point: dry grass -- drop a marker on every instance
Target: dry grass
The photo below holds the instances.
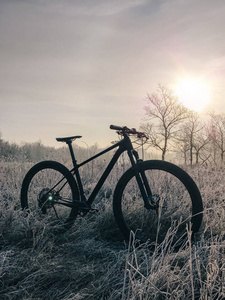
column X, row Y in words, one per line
column 91, row 261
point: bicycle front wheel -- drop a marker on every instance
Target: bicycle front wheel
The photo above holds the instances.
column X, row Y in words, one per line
column 174, row 194
column 49, row 190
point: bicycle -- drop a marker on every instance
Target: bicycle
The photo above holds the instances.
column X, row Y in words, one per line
column 151, row 199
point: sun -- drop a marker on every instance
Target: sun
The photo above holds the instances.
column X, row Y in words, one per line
column 193, row 93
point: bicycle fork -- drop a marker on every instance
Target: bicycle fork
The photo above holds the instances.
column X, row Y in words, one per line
column 142, row 182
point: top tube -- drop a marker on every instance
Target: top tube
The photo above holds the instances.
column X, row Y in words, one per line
column 124, row 143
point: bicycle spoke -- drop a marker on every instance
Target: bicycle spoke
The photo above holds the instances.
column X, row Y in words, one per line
column 55, row 212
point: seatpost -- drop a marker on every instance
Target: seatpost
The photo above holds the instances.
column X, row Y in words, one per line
column 69, row 143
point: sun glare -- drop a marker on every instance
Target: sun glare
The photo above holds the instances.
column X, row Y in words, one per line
column 193, row 93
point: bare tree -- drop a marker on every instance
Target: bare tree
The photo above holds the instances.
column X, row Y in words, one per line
column 201, row 141
column 192, row 138
column 217, row 133
column 213, row 135
column 164, row 114
column 185, row 136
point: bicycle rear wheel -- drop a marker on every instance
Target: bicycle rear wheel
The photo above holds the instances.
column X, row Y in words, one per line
column 175, row 194
column 46, row 190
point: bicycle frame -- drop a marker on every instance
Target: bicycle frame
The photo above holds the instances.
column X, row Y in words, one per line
column 123, row 145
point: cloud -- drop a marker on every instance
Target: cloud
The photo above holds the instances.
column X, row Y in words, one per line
column 101, row 8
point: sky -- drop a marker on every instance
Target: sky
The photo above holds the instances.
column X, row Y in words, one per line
column 73, row 67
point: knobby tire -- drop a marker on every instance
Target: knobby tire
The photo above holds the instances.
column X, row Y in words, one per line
column 177, row 192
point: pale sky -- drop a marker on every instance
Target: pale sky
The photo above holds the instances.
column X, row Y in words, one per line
column 73, row 67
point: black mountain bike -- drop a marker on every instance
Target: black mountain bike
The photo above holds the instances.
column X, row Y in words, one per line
column 152, row 198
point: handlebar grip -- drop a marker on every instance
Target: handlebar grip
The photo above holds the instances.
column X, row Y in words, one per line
column 126, row 130
column 115, row 127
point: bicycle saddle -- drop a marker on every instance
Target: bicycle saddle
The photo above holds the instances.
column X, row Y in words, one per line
column 68, row 139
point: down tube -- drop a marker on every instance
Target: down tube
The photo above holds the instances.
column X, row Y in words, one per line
column 105, row 175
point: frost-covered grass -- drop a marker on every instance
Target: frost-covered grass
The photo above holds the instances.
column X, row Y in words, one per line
column 91, row 260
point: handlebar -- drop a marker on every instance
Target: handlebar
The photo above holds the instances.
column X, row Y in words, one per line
column 126, row 130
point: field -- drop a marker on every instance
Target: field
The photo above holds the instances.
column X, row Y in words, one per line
column 91, row 260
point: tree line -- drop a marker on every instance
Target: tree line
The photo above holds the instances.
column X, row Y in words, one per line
column 35, row 152
column 173, row 131
column 173, row 128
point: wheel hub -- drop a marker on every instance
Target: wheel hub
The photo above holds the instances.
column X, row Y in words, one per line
column 158, row 202
column 46, row 199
